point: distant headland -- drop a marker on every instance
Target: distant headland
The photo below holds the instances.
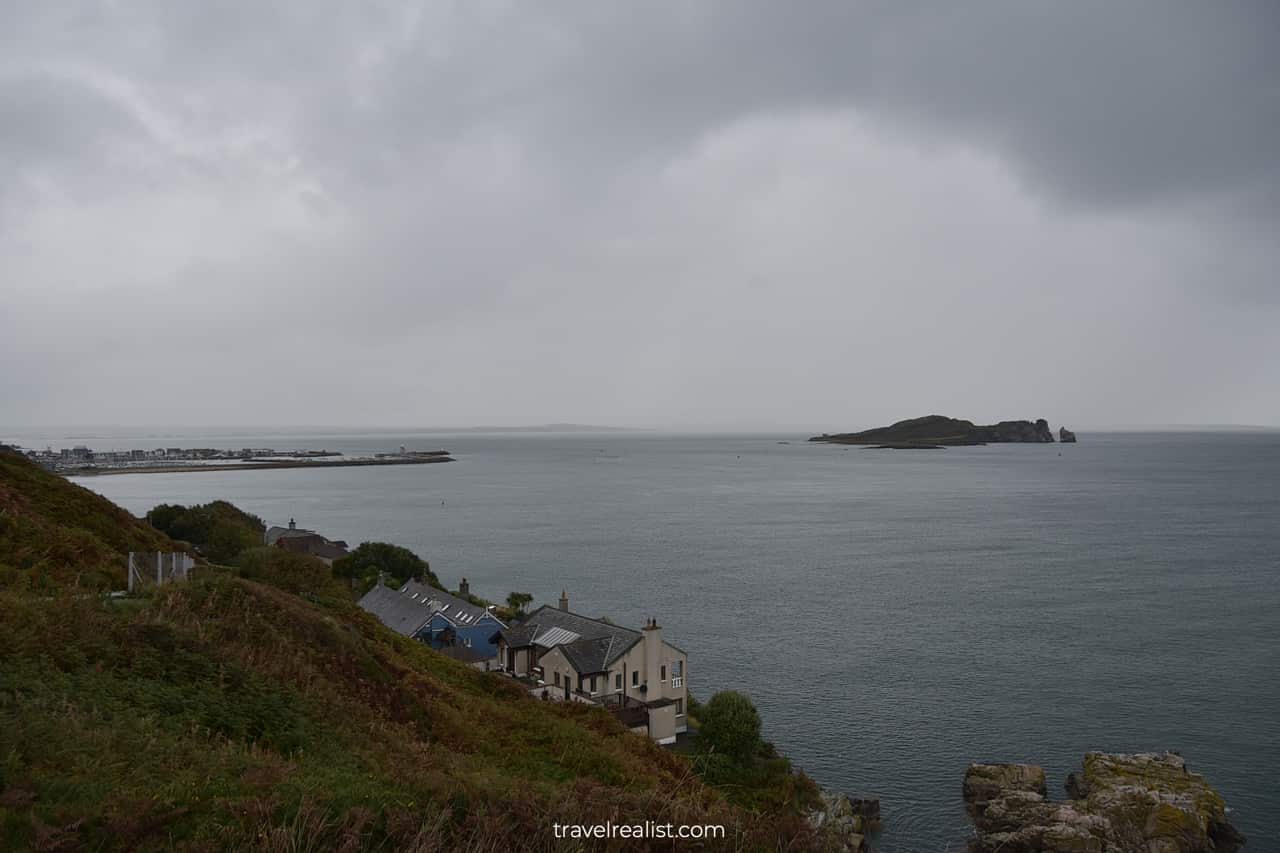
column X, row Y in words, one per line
column 937, row 431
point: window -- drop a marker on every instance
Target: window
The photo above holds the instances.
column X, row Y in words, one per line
column 663, row 669
column 593, row 684
column 677, row 668
column 679, row 707
column 467, row 641
column 635, row 677
column 557, row 678
column 617, row 681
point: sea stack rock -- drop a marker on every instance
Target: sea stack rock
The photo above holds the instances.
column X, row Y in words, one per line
column 1066, row 436
column 1143, row 803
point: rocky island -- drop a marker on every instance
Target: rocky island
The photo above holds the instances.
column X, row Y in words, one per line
column 934, row 431
column 1143, row 803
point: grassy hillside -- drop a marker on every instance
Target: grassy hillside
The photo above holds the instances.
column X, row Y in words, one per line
column 55, row 534
column 228, row 712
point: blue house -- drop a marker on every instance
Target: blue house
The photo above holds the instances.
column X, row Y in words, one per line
column 445, row 622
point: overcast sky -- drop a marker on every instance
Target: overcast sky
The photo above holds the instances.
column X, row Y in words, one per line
column 810, row 216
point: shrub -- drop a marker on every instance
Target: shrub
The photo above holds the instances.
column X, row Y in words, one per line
column 371, row 558
column 731, row 725
column 296, row 573
column 219, row 529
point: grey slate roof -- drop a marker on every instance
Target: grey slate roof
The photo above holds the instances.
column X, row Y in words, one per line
column 397, row 612
column 588, row 656
column 457, row 610
column 330, row 551
column 518, row 636
column 589, row 644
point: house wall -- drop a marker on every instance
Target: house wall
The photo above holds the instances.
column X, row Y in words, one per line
column 521, row 659
column 636, row 661
column 475, row 635
column 655, row 662
column 662, row 723
column 553, row 663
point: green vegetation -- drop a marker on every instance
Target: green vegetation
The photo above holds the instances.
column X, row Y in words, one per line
column 56, row 535
column 518, row 603
column 219, row 530
column 731, row 725
column 731, row 755
column 293, row 572
column 227, row 713
column 398, row 564
column 256, row 707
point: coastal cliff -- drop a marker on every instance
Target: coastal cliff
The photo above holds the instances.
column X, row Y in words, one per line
column 942, row 431
column 1142, row 803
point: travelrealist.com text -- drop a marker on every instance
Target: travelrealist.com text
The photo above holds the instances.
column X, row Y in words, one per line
column 648, row 829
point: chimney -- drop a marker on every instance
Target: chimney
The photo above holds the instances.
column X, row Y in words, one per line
column 464, row 588
column 293, row 525
column 564, row 601
column 652, row 635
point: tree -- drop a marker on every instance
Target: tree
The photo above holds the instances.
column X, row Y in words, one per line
column 731, row 725
column 366, row 562
column 518, row 601
column 219, row 529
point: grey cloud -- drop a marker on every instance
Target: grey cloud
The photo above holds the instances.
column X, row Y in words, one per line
column 646, row 213
column 1096, row 103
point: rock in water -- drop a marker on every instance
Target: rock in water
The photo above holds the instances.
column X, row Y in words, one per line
column 1066, row 436
column 844, row 822
column 944, row 431
column 1143, row 803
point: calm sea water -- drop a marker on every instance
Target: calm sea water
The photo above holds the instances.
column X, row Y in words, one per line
column 895, row 615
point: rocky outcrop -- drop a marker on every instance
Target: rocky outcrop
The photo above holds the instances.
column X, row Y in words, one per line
column 845, row 822
column 1066, row 436
column 1019, row 431
column 939, row 430
column 1143, row 803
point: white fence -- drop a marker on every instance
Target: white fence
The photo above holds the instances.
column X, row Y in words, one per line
column 157, row 567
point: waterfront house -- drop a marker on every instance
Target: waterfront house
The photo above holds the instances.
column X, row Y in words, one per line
column 447, row 623
column 302, row 541
column 637, row 675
